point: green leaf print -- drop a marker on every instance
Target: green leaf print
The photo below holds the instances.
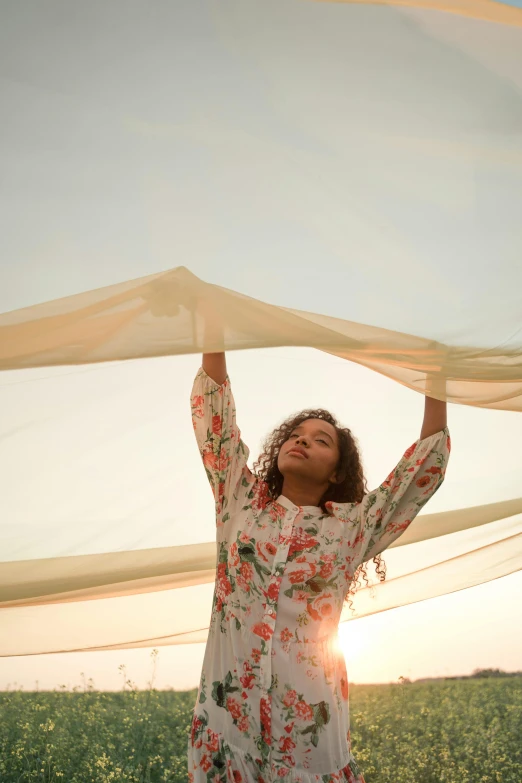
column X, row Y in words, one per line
column 261, row 569
column 317, row 584
column 220, row 690
column 321, row 713
column 247, row 552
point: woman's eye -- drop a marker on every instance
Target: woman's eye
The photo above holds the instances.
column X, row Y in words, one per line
column 322, row 441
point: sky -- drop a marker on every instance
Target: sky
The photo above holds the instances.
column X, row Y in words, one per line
column 362, row 162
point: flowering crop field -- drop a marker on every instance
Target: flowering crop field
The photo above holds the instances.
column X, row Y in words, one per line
column 449, row 731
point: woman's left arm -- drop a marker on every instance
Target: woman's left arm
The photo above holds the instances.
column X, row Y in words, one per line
column 435, row 416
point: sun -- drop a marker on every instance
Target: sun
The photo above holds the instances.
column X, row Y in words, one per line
column 353, row 641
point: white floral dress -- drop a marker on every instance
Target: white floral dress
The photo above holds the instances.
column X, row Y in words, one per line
column 273, row 698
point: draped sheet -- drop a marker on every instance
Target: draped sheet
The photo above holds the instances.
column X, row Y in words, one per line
column 82, row 577
column 176, row 313
column 347, row 176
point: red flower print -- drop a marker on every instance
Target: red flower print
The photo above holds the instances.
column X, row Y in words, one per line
column 290, row 698
column 301, row 541
column 261, row 496
column 260, row 553
column 198, row 401
column 247, row 681
column 423, row 481
column 410, row 451
column 224, row 587
column 238, row 778
column 321, row 607
column 297, row 577
column 326, row 570
column 303, row 711
column 289, row 761
column 286, row 635
column 302, row 574
column 243, row 724
column 205, row 762
column 233, row 555
column 224, row 460
column 434, row 470
column 256, row 655
column 196, row 724
column 209, row 458
column 388, row 480
column 247, row 572
column 220, row 491
column 286, row 744
column 344, row 688
column 212, row 742
column 234, row 708
column 266, row 719
column 191, row 777
column 270, row 548
column 282, row 772
column 273, row 590
column 392, row 527
column 289, row 727
column 216, row 424
column 263, row 630
column 275, row 512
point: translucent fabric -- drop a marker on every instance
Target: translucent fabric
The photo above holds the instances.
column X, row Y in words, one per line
column 176, row 313
column 239, row 176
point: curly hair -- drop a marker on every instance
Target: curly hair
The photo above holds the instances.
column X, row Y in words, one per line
column 351, row 486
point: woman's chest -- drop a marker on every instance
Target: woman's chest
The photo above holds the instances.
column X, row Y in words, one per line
column 297, row 555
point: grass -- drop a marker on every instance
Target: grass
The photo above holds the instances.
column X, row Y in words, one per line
column 443, row 731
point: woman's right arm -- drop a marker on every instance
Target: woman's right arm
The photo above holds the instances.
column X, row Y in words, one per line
column 219, row 440
column 215, row 365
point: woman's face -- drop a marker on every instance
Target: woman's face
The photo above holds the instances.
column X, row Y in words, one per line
column 316, row 452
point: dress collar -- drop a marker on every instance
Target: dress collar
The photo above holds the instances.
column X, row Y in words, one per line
column 283, row 501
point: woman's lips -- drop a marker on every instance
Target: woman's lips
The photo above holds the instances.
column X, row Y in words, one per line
column 298, row 454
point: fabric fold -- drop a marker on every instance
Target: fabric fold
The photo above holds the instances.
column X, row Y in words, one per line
column 110, row 624
column 112, row 574
column 171, row 313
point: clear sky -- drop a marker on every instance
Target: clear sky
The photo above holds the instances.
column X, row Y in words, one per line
column 288, row 152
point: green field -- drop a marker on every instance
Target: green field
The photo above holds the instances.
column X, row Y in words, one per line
column 443, row 731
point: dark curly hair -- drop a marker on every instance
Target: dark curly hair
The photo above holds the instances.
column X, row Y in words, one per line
column 350, row 488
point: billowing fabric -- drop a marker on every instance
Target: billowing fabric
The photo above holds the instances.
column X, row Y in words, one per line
column 173, row 312
column 509, row 13
column 82, row 577
column 273, row 696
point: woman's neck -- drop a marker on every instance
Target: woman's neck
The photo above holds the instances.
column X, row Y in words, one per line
column 302, row 495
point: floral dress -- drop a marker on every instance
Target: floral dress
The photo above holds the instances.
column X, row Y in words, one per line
column 272, row 702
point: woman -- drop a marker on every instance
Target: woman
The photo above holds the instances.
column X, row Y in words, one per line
column 273, row 698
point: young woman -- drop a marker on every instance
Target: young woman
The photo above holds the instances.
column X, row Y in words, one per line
column 273, row 698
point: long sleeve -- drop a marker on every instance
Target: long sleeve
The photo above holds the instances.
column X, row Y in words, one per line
column 386, row 512
column 219, row 441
